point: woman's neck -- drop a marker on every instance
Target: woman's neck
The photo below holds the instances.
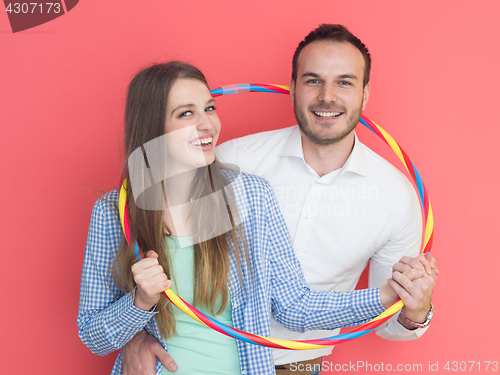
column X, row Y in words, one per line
column 178, row 190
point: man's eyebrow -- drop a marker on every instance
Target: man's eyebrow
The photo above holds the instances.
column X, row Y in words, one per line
column 342, row 76
column 310, row 74
column 347, row 76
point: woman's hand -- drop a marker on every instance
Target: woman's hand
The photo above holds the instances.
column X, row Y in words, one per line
column 151, row 281
column 413, row 280
column 388, row 295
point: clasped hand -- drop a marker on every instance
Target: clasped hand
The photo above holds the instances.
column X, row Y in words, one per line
column 415, row 292
column 151, row 281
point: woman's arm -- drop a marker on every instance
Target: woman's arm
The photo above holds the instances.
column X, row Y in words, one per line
column 107, row 318
column 299, row 308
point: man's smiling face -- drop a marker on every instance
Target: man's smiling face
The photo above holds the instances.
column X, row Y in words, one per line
column 329, row 96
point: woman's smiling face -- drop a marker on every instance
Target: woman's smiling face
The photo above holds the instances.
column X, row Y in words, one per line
column 192, row 125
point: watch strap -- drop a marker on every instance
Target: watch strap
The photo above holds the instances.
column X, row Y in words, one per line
column 420, row 325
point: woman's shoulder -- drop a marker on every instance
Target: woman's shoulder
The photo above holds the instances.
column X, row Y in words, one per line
column 107, row 204
column 252, row 195
column 105, row 231
column 252, row 183
column 241, row 181
column 111, row 195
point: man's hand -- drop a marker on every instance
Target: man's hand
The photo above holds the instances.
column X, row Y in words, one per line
column 415, row 294
column 140, row 355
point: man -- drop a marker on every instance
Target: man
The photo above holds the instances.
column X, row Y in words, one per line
column 343, row 204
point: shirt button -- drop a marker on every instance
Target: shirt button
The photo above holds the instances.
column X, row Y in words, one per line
column 244, row 372
column 296, row 251
column 306, row 216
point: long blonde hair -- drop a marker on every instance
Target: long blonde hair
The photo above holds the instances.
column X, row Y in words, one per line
column 144, row 121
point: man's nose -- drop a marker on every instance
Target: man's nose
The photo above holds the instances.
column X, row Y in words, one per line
column 328, row 93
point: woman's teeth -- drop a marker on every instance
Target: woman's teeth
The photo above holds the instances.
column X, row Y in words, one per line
column 327, row 114
column 202, row 142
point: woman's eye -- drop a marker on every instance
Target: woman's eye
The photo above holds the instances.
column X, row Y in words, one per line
column 186, row 113
column 210, row 109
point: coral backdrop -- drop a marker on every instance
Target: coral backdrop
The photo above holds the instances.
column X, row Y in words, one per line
column 434, row 83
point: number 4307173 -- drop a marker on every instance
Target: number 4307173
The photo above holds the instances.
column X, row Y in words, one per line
column 471, row 365
column 33, row 7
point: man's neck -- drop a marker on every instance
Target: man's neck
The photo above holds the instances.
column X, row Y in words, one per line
column 327, row 158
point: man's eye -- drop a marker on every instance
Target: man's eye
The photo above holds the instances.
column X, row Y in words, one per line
column 313, row 81
column 345, row 83
column 210, row 109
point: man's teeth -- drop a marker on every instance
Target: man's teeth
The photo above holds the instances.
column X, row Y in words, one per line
column 202, row 142
column 327, row 114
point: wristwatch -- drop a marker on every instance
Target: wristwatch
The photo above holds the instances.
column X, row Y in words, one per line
column 420, row 325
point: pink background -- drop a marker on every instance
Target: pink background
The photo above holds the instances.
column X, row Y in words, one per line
column 434, row 87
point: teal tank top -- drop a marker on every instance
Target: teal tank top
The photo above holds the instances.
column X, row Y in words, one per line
column 196, row 348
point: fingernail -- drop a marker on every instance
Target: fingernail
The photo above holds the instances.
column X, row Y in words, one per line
column 172, row 367
column 420, row 272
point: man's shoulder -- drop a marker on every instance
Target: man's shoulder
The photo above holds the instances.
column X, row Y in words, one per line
column 264, row 137
column 268, row 140
column 381, row 169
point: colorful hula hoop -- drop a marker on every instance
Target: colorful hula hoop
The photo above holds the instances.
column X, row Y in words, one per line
column 357, row 332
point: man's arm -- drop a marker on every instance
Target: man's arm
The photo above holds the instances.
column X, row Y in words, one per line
column 404, row 243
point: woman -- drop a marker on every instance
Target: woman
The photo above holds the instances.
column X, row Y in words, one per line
column 217, row 234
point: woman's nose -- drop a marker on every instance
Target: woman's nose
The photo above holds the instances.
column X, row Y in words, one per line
column 207, row 122
column 204, row 123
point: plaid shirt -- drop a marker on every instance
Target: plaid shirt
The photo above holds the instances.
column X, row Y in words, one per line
column 274, row 284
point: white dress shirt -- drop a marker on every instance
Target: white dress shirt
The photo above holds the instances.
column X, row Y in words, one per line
column 365, row 211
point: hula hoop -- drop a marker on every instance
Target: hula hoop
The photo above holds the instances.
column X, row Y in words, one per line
column 355, row 333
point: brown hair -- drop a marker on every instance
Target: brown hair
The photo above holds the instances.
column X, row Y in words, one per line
column 334, row 33
column 145, row 116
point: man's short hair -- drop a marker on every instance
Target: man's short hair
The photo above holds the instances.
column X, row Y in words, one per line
column 334, row 33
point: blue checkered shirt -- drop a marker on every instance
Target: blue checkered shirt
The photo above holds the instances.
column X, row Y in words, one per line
column 107, row 318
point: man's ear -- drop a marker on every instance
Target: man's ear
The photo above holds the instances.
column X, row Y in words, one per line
column 366, row 95
column 292, row 90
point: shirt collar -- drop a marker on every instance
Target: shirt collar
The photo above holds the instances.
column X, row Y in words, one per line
column 293, row 144
column 356, row 162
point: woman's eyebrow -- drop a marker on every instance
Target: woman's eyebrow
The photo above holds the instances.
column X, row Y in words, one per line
column 188, row 105
column 191, row 105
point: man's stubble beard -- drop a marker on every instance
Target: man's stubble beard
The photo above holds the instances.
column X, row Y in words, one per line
column 308, row 132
